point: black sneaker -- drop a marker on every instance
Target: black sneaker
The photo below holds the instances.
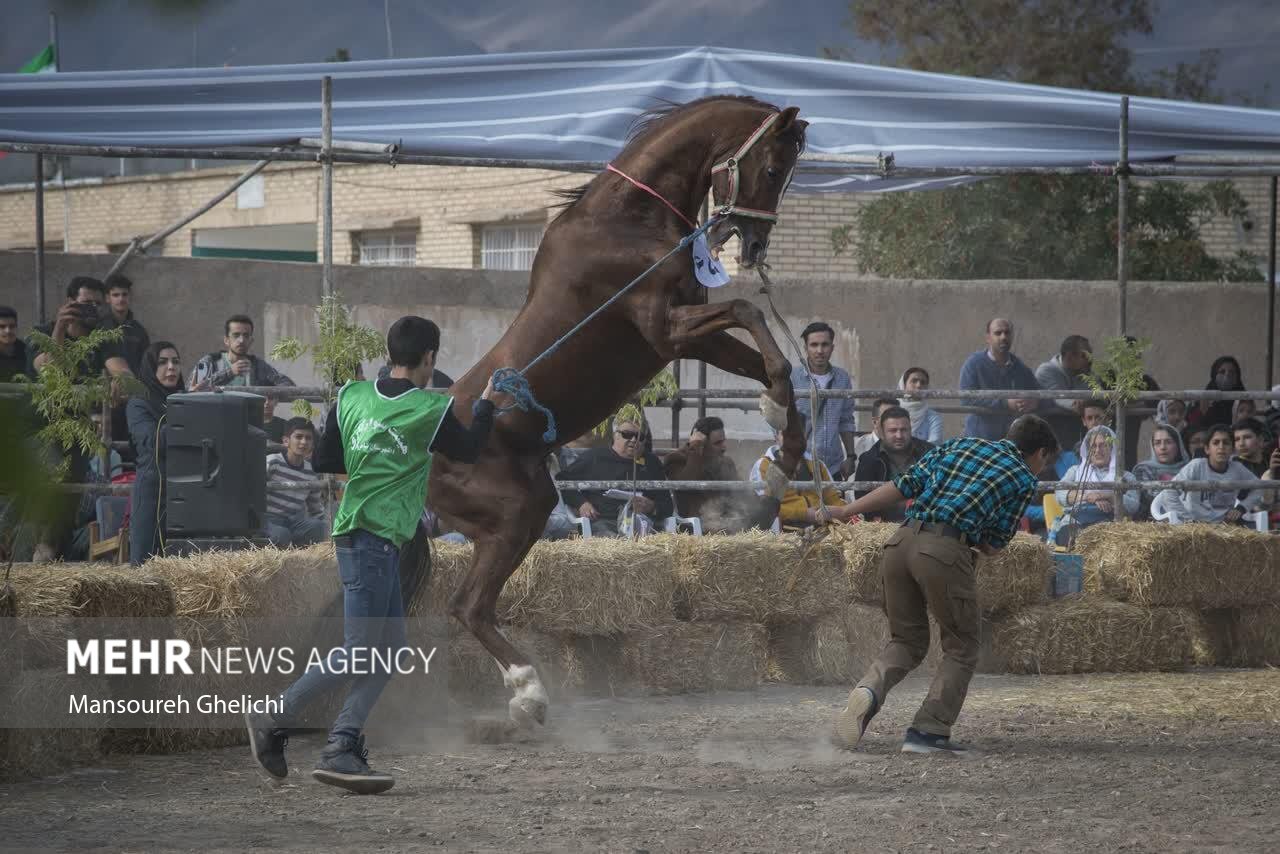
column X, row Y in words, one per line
column 924, row 742
column 267, row 743
column 852, row 722
column 343, row 764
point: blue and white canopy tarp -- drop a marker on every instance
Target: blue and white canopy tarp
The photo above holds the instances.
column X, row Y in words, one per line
column 578, row 106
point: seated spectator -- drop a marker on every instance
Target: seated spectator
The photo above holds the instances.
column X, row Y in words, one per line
column 161, row 374
column 703, row 458
column 295, row 517
column 1224, row 375
column 1083, row 506
column 235, row 366
column 13, row 350
column 1093, row 413
column 1196, row 441
column 560, row 524
column 798, row 508
column 119, row 293
column 866, row 441
column 891, row 456
column 926, row 423
column 273, row 424
column 1220, row 506
column 1168, row 456
column 618, row 461
column 1250, row 444
column 1242, row 409
column 996, row 367
column 1066, row 371
column 1172, row 412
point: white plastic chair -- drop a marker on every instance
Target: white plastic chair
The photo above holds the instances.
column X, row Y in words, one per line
column 672, row 523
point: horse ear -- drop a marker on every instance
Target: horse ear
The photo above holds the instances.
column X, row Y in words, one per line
column 788, row 123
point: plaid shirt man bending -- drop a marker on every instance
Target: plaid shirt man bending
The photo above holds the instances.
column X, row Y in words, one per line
column 969, row 495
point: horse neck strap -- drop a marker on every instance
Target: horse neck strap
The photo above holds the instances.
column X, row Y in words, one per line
column 730, row 165
column 655, row 194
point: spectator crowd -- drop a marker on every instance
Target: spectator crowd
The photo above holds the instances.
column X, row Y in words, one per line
column 1204, row 441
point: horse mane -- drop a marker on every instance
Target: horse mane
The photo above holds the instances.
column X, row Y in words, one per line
column 650, row 122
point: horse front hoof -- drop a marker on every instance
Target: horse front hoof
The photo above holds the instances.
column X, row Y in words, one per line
column 527, row 712
column 774, row 414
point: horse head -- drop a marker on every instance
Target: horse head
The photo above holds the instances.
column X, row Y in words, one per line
column 748, row 185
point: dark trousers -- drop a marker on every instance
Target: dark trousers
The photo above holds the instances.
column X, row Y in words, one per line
column 928, row 574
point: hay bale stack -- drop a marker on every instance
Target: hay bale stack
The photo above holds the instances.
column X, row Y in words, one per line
column 449, row 562
column 678, row 658
column 1017, row 575
column 863, row 544
column 866, row 631
column 1258, row 636
column 223, row 583
column 1205, row 566
column 758, row 577
column 1093, row 635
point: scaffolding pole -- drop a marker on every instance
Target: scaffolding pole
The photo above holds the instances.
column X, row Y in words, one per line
column 42, row 310
column 326, row 166
column 1271, row 290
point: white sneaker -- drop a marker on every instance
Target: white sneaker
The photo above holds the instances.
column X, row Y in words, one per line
column 852, row 722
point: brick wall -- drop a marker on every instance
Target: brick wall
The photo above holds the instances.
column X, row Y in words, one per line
column 445, row 205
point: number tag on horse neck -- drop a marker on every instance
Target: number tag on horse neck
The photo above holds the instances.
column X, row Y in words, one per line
column 709, row 271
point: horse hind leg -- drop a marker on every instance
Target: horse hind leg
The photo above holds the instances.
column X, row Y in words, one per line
column 474, row 604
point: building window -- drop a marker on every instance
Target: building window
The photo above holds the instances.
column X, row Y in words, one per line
column 386, row 248
column 509, row 247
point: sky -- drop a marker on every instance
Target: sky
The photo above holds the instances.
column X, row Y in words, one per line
column 123, row 34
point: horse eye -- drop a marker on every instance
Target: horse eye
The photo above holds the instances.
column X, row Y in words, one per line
column 772, row 172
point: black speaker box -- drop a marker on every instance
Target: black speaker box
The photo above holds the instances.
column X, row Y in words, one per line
column 215, row 464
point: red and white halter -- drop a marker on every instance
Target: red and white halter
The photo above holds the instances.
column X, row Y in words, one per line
column 729, row 165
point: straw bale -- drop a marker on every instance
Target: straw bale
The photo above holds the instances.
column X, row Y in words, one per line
column 449, row 563
column 35, row 752
column 598, row 586
column 758, row 577
column 1206, row 566
column 88, row 590
column 1245, row 637
column 867, row 633
column 677, row 658
column 809, row 653
column 1092, row 635
column 1017, row 575
column 863, row 544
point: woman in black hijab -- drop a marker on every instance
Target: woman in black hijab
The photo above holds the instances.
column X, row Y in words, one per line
column 161, row 373
column 1223, row 376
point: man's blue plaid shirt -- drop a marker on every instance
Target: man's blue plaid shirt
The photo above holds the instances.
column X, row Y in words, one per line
column 978, row 486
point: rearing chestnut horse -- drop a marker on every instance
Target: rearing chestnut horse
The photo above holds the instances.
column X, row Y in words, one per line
column 624, row 220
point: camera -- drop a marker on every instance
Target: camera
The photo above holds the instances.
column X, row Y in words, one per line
column 88, row 315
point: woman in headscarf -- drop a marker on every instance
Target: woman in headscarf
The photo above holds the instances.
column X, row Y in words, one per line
column 926, row 424
column 1168, row 456
column 1172, row 412
column 1083, row 506
column 161, row 373
column 1224, row 375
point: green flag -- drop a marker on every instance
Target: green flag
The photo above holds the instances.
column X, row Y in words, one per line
column 43, row 61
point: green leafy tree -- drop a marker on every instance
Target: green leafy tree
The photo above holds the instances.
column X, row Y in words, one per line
column 1037, row 226
column 64, row 399
column 341, row 346
column 662, row 387
column 1118, row 375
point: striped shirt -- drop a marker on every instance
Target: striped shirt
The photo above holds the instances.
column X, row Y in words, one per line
column 976, row 485
column 290, row 503
column 835, row 414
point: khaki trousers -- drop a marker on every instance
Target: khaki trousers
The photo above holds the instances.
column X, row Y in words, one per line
column 928, row 574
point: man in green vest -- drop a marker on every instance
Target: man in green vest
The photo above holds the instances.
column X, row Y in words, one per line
column 382, row 435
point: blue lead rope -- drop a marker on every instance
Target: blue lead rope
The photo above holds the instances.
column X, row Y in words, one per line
column 513, row 382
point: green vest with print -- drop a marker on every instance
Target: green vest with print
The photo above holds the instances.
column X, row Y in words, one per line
column 385, row 447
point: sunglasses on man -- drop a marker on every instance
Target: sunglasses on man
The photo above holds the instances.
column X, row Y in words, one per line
column 629, row 435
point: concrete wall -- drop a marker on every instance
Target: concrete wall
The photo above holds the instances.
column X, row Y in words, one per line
column 883, row 326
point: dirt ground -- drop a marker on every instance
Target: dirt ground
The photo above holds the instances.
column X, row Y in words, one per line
column 1180, row 762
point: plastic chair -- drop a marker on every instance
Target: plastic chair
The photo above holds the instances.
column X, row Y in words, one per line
column 1052, row 510
column 1160, row 513
column 672, row 523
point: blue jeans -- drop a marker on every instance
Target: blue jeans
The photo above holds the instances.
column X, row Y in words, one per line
column 299, row 530
column 373, row 618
